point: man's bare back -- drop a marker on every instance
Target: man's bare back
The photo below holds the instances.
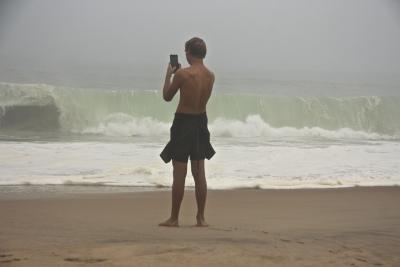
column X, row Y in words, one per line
column 195, row 84
column 195, row 90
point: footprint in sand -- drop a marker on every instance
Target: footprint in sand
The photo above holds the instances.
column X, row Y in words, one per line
column 259, row 231
column 231, row 229
column 6, row 258
column 361, row 259
column 84, row 260
column 220, row 229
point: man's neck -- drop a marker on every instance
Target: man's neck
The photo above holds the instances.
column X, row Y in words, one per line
column 197, row 62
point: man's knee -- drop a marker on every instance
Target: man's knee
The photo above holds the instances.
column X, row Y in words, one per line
column 198, row 173
column 198, row 176
column 195, row 173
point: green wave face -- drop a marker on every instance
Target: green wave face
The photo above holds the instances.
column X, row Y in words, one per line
column 36, row 106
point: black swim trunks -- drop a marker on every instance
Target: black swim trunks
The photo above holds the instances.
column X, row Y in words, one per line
column 189, row 136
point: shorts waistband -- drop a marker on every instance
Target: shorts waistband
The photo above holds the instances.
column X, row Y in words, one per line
column 190, row 115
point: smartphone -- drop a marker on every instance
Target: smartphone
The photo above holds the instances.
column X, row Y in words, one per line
column 173, row 60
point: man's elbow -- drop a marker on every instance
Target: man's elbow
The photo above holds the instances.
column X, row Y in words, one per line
column 167, row 98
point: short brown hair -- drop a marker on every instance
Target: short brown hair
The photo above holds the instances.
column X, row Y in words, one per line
column 196, row 47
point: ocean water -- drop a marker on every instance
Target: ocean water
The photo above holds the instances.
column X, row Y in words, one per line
column 53, row 135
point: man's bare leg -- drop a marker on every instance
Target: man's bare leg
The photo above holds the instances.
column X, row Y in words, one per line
column 199, row 177
column 178, row 189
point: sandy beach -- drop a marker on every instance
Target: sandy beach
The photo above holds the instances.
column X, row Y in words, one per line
column 305, row 227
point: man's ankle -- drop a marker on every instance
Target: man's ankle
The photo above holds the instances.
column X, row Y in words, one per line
column 200, row 216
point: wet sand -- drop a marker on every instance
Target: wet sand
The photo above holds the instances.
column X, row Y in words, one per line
column 249, row 227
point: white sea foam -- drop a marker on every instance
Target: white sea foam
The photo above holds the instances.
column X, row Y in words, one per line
column 254, row 126
column 120, row 124
column 277, row 165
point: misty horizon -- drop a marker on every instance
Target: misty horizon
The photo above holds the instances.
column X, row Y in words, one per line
column 317, row 41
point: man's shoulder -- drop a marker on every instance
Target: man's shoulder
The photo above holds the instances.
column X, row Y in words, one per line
column 212, row 74
column 186, row 69
column 209, row 72
column 189, row 71
column 182, row 71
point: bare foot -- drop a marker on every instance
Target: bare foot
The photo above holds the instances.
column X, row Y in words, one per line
column 201, row 222
column 170, row 223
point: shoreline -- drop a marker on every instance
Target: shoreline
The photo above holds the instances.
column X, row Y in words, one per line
column 24, row 191
column 356, row 226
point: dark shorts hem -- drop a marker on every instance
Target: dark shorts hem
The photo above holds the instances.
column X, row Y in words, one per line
column 167, row 154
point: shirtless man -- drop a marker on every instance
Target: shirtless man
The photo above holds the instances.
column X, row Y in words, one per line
column 189, row 132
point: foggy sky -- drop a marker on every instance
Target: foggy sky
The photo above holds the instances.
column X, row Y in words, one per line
column 356, row 38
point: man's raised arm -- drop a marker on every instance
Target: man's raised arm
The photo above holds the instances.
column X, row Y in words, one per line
column 170, row 88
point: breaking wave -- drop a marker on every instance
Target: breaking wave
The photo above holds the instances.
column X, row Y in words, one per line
column 143, row 113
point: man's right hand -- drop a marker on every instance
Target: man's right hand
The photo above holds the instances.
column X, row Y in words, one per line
column 170, row 70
